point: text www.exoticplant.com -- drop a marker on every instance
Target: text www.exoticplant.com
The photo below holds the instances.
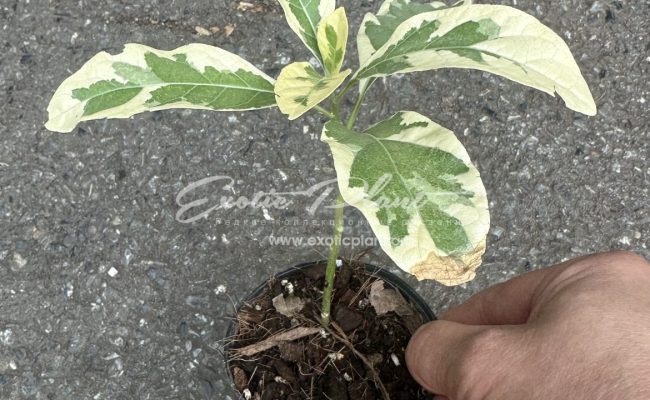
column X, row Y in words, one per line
column 300, row 241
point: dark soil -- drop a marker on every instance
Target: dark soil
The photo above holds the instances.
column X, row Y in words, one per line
column 323, row 365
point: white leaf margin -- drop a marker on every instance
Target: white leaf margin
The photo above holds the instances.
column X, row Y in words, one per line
column 65, row 112
column 325, row 8
column 338, row 20
column 518, row 32
column 417, row 254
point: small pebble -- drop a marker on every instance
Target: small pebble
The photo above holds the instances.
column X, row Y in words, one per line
column 497, row 231
column 220, row 289
column 395, row 360
column 19, row 260
column 7, row 337
column 68, row 290
column 128, row 256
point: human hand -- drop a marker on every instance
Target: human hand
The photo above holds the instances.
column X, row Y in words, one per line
column 578, row 330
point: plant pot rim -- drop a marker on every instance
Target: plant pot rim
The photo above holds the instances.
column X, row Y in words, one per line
column 384, row 274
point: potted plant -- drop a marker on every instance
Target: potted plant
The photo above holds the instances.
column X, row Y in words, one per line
column 310, row 333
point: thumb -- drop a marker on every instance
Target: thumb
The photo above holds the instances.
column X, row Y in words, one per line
column 456, row 360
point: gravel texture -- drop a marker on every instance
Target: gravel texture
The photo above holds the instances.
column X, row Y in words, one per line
column 105, row 295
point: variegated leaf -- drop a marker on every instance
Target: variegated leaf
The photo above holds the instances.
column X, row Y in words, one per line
column 332, row 39
column 145, row 79
column 414, row 182
column 376, row 29
column 304, row 16
column 300, row 87
column 492, row 38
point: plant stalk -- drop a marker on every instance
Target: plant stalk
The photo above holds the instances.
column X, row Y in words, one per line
column 357, row 107
column 330, row 271
column 323, row 111
column 336, row 101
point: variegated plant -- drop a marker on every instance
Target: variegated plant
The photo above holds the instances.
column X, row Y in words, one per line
column 410, row 177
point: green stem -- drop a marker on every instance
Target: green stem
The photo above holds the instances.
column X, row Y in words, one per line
column 330, row 272
column 346, row 89
column 336, row 101
column 335, row 107
column 357, row 107
column 323, row 111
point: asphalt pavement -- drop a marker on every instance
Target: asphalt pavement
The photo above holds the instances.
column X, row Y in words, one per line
column 105, row 294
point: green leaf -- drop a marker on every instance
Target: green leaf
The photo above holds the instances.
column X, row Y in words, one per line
column 497, row 39
column 414, row 182
column 304, row 16
column 332, row 39
column 300, row 88
column 145, row 79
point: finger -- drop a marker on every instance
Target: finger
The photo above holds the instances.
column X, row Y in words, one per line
column 438, row 353
column 508, row 303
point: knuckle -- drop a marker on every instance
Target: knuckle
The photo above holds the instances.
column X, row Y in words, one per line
column 617, row 262
column 481, row 353
column 481, row 346
column 621, row 256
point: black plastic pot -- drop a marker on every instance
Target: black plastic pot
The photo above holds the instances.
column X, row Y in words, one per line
column 393, row 280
